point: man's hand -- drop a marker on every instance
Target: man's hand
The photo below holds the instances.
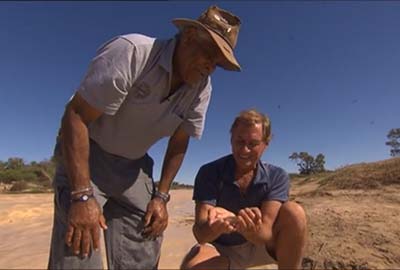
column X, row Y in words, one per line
column 84, row 220
column 249, row 221
column 156, row 218
column 219, row 213
column 221, row 220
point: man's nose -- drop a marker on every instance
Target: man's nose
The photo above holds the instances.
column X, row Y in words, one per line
column 245, row 148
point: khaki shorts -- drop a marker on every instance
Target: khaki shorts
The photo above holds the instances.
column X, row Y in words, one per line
column 245, row 255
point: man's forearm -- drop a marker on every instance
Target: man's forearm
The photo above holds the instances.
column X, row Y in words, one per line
column 173, row 159
column 75, row 149
column 171, row 166
column 262, row 236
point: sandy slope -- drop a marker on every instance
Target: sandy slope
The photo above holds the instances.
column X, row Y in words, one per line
column 351, row 229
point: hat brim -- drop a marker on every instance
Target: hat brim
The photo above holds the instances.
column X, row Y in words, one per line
column 230, row 62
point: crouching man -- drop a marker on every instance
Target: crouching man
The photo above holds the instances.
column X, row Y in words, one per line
column 243, row 217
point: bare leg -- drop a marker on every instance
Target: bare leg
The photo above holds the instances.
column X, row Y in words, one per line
column 204, row 257
column 289, row 237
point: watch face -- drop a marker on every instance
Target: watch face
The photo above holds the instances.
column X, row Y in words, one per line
column 82, row 198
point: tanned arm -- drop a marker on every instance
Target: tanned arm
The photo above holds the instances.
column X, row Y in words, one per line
column 156, row 218
column 83, row 217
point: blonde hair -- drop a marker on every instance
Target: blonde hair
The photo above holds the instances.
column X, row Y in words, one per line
column 252, row 117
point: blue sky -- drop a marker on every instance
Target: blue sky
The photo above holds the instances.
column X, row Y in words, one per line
column 327, row 74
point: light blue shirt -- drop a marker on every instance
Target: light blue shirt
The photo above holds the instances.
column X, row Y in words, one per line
column 129, row 80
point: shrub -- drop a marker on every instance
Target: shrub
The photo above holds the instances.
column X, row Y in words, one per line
column 9, row 176
column 19, row 186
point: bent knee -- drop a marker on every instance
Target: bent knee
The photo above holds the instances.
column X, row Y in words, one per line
column 188, row 260
column 198, row 255
column 291, row 213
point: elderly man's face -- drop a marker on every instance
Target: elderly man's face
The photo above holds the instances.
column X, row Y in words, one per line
column 247, row 145
column 199, row 57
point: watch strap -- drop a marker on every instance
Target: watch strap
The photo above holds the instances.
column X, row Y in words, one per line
column 164, row 196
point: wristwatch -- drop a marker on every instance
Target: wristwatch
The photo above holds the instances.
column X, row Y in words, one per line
column 82, row 198
column 163, row 196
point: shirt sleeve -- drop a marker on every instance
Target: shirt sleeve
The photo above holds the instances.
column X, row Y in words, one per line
column 110, row 75
column 193, row 123
column 205, row 188
column 279, row 186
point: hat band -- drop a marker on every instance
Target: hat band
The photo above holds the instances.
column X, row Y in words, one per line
column 219, row 33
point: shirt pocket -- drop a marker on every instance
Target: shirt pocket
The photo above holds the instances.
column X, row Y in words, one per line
column 141, row 94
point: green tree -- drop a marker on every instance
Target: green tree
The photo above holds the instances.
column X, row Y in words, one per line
column 33, row 164
column 394, row 141
column 15, row 163
column 319, row 163
column 307, row 163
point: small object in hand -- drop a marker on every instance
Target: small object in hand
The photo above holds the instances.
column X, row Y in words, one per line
column 232, row 220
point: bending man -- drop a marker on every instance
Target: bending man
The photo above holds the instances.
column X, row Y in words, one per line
column 136, row 91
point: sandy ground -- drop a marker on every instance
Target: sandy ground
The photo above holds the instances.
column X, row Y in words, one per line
column 351, row 229
column 26, row 221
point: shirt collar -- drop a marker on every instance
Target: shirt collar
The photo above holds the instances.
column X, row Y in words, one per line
column 261, row 174
column 166, row 57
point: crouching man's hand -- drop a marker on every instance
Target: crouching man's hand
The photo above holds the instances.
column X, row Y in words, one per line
column 249, row 221
column 221, row 220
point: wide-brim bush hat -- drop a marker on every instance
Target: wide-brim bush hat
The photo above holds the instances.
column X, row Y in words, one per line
column 223, row 28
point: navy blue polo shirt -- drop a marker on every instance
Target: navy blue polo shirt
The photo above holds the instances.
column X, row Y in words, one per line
column 215, row 184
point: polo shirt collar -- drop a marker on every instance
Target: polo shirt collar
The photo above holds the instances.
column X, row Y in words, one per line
column 166, row 57
column 261, row 174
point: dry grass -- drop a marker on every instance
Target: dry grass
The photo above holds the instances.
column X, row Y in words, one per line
column 363, row 176
column 356, row 176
